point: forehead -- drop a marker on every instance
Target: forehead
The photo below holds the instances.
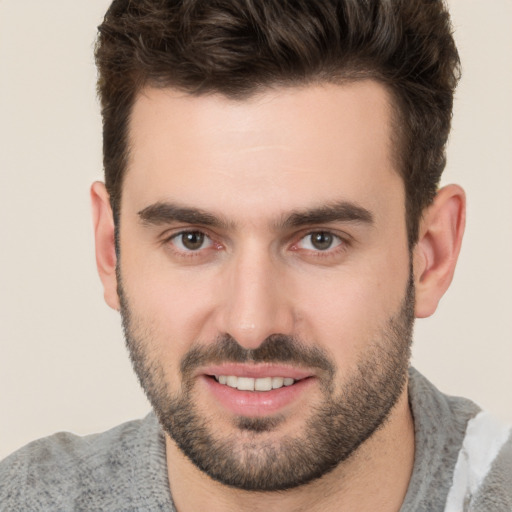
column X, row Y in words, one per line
column 282, row 148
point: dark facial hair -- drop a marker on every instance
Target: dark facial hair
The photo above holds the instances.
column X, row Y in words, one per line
column 250, row 459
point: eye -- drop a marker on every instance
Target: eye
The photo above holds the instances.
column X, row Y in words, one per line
column 188, row 241
column 319, row 241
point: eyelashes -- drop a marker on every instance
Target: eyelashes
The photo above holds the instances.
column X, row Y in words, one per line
column 319, row 241
column 191, row 241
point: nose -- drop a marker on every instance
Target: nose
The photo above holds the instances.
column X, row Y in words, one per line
column 256, row 303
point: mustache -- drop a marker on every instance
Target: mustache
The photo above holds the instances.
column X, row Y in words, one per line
column 277, row 348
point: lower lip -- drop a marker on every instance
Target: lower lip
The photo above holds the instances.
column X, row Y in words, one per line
column 256, row 403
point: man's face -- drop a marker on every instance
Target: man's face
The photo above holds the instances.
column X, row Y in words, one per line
column 264, row 276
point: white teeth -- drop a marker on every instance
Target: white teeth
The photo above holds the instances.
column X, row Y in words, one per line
column 232, row 382
column 277, row 382
column 245, row 384
column 264, row 384
column 250, row 384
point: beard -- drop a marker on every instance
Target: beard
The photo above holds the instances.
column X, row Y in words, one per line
column 250, row 458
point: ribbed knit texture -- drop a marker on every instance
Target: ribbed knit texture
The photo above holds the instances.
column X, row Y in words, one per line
column 123, row 469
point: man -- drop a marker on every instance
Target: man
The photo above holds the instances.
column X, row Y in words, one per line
column 269, row 227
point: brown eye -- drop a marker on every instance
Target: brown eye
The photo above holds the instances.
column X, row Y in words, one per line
column 191, row 241
column 319, row 241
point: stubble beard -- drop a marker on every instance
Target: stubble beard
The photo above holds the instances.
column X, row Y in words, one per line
column 250, row 458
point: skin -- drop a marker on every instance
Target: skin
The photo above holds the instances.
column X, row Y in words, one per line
column 253, row 163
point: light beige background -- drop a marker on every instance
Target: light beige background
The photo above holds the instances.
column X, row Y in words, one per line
column 63, row 364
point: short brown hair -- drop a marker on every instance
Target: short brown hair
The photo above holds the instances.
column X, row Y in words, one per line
column 240, row 47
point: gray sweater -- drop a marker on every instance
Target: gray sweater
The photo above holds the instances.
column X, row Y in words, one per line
column 463, row 462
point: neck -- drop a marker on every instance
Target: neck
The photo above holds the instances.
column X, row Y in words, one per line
column 375, row 477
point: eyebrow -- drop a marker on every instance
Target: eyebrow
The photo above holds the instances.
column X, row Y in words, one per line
column 166, row 213
column 341, row 211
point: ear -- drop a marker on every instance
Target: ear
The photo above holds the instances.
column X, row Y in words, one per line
column 103, row 221
column 435, row 255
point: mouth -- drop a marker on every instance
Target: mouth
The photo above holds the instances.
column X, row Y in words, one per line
column 257, row 390
column 254, row 384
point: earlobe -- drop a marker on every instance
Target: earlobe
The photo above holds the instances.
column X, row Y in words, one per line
column 104, row 233
column 435, row 255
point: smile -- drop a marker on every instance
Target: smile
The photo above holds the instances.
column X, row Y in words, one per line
column 256, row 390
column 254, row 384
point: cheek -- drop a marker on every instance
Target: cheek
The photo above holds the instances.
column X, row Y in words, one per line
column 167, row 318
column 346, row 311
column 337, row 317
column 174, row 305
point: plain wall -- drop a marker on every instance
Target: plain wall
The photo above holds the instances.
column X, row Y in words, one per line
column 63, row 365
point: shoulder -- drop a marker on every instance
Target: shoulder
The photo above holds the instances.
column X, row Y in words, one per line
column 65, row 471
column 483, row 474
column 495, row 492
column 463, row 454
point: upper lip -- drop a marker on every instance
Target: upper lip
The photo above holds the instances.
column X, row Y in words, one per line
column 256, row 371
